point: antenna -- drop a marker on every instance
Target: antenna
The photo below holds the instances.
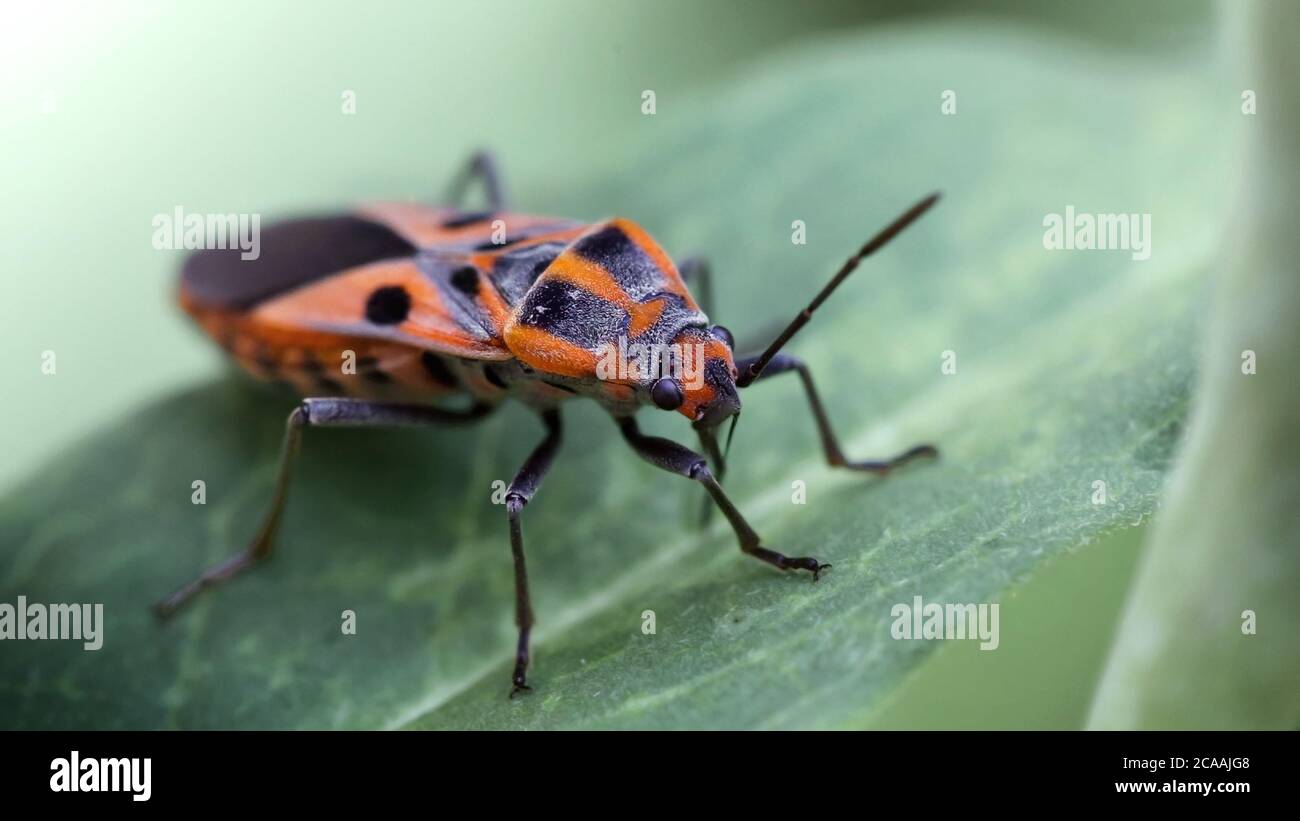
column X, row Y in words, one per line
column 874, row 244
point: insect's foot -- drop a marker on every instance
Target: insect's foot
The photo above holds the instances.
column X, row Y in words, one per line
column 518, row 688
column 920, row 452
column 883, row 469
column 520, row 679
column 807, row 563
column 815, row 567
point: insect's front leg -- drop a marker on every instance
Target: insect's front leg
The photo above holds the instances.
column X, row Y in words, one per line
column 672, row 457
column 784, row 363
column 325, row 412
column 521, row 490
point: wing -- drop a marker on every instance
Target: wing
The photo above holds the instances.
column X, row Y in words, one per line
column 411, row 301
column 431, row 278
column 290, row 254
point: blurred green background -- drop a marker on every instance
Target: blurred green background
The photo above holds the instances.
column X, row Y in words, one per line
column 113, row 113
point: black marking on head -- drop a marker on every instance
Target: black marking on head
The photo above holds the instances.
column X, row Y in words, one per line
column 290, row 254
column 573, row 314
column 564, row 388
column 367, row 362
column 438, row 370
column 719, row 332
column 465, row 280
column 493, row 375
column 467, row 218
column 311, row 364
column 377, row 376
column 388, row 305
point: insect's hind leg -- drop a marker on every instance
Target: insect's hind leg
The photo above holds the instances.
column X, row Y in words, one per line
column 314, row 413
column 481, row 166
column 783, row 363
column 674, row 458
column 521, row 490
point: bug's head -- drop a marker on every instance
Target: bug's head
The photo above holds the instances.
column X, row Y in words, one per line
column 698, row 380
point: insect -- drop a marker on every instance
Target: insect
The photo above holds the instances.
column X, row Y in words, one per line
column 439, row 302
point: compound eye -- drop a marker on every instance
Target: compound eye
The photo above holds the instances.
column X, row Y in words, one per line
column 667, row 394
column 725, row 335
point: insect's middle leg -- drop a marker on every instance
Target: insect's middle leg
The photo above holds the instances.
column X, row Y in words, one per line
column 329, row 412
column 521, row 490
column 670, row 456
column 783, row 363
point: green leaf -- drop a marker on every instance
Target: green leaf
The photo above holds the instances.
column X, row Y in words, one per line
column 1209, row 635
column 1072, row 367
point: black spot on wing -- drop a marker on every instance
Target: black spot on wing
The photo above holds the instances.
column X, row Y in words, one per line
column 573, row 314
column 388, row 305
column 465, row 280
column 291, row 254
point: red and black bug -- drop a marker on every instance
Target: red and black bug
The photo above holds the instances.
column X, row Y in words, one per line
column 436, row 302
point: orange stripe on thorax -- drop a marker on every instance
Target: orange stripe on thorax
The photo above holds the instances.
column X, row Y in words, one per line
column 593, row 278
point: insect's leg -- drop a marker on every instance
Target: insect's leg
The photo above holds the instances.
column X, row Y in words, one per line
column 698, row 276
column 670, row 456
column 521, row 490
column 481, row 166
column 783, row 363
column 314, row 413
